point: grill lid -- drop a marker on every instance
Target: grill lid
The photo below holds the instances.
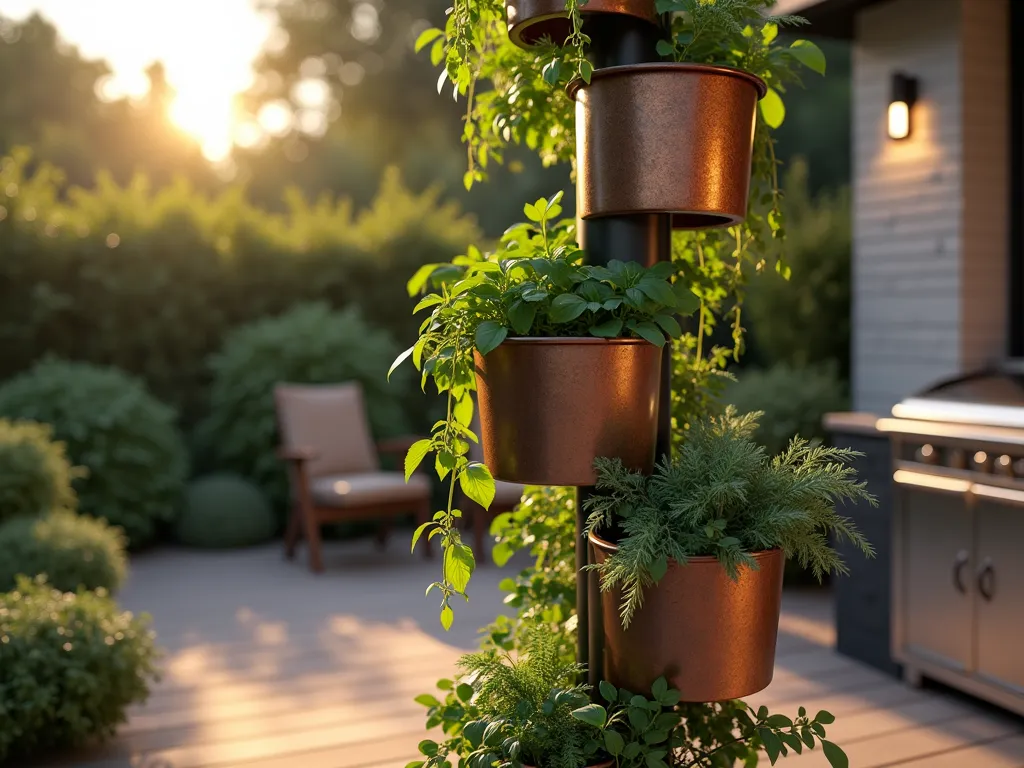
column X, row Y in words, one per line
column 992, row 397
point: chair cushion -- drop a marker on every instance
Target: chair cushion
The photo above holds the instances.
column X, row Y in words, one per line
column 368, row 488
column 506, row 495
column 330, row 420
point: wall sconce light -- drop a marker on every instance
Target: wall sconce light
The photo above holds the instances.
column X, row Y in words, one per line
column 904, row 94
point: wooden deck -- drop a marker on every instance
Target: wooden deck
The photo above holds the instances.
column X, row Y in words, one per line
column 269, row 666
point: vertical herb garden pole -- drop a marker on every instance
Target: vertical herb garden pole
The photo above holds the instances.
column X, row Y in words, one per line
column 557, row 339
column 646, row 238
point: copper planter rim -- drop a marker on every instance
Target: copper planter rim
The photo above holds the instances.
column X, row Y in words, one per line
column 528, row 28
column 671, row 66
column 564, row 340
column 607, row 546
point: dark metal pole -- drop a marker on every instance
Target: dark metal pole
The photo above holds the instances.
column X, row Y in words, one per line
column 646, row 238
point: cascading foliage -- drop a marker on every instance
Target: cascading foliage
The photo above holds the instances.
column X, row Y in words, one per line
column 516, row 97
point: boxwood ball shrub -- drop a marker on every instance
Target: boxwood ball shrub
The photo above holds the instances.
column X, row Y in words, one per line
column 125, row 438
column 309, row 344
column 70, row 664
column 35, row 474
column 71, row 550
column 225, row 510
column 793, row 401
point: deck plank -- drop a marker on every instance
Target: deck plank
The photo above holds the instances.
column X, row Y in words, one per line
column 277, row 668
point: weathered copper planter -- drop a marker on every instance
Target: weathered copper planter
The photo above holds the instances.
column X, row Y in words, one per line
column 531, row 21
column 669, row 138
column 549, row 407
column 711, row 637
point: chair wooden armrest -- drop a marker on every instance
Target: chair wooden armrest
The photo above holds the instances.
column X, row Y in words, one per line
column 297, row 454
column 397, row 446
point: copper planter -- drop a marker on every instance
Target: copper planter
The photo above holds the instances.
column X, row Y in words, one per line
column 530, row 21
column 550, row 406
column 666, row 138
column 711, row 637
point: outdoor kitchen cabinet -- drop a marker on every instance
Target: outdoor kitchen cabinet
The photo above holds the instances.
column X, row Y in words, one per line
column 958, row 584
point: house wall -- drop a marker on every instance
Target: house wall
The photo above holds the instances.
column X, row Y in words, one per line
column 930, row 212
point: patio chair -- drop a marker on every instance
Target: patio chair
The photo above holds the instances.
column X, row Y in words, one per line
column 506, row 498
column 334, row 470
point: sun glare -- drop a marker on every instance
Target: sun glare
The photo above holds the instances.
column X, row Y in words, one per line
column 207, row 48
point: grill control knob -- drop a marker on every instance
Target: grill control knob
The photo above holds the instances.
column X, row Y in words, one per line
column 981, row 462
column 1004, row 466
column 927, row 454
column 957, row 459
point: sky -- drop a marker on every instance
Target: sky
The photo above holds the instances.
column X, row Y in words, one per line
column 207, row 47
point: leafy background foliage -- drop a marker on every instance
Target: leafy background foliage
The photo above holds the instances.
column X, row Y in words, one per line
column 309, row 344
column 127, row 441
column 35, row 474
column 70, row 665
column 153, row 280
column 71, row 550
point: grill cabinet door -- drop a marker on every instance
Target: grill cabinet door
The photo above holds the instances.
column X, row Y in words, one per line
column 937, row 577
column 999, row 582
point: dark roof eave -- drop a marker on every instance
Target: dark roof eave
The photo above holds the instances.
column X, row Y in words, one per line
column 828, row 18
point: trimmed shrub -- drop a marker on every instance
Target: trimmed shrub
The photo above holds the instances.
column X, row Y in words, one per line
column 72, row 551
column 35, row 474
column 126, row 440
column 225, row 510
column 70, row 664
column 794, row 401
column 310, row 344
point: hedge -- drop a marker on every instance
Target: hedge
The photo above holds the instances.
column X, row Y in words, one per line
column 150, row 281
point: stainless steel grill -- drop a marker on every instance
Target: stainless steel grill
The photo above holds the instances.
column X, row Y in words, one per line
column 958, row 534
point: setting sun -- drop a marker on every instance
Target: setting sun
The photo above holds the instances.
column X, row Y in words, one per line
column 206, row 47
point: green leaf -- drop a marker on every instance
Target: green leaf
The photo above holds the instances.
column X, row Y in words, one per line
column 419, row 532
column 533, row 213
column 769, row 32
column 835, row 756
column 427, row 700
column 825, row 718
column 501, row 554
column 458, row 566
column 552, row 71
column 657, row 570
column 665, row 48
column 417, row 452
column 772, row 109
column 659, row 688
column 779, row 721
column 808, row 54
column 415, row 764
column 489, row 335
column 430, row 300
column 426, row 37
column 592, row 714
column 521, row 315
column 609, row 329
column 669, row 325
column 614, row 743
column 399, row 360
column 657, row 290
column 772, row 743
column 463, row 410
column 650, row 332
column 687, row 302
column 586, row 71
column 477, row 484
column 464, row 692
column 609, row 691
column 428, row 747
column 566, row 308
column 419, row 280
